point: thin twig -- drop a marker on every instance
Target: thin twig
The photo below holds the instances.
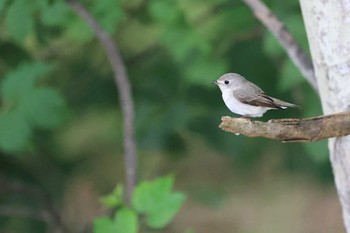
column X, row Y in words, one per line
column 124, row 89
column 48, row 214
column 278, row 29
column 291, row 130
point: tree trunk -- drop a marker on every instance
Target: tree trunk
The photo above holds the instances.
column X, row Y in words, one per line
column 327, row 25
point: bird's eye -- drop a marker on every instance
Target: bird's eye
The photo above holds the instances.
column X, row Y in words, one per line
column 226, row 82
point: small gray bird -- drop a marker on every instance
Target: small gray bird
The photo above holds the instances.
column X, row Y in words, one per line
column 245, row 98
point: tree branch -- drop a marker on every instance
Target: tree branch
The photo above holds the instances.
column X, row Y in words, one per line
column 49, row 213
column 124, row 89
column 281, row 33
column 291, row 130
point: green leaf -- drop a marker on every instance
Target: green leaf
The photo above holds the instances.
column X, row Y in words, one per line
column 110, row 20
column 25, row 105
column 165, row 11
column 114, row 199
column 103, row 225
column 165, row 210
column 147, row 194
column 290, row 76
column 109, row 13
column 125, row 221
column 19, row 20
column 43, row 107
column 21, row 81
column 15, row 132
column 79, row 30
column 55, row 14
column 155, row 199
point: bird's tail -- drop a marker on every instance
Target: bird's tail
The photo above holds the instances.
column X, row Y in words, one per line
column 283, row 104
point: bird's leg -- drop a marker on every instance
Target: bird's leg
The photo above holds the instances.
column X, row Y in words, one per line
column 246, row 117
column 288, row 121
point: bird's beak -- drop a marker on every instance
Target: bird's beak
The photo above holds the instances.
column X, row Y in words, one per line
column 215, row 82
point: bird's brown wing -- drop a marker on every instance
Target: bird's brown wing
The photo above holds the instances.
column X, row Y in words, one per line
column 253, row 95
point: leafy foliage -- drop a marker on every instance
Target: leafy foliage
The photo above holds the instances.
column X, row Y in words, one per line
column 54, row 14
column 57, row 14
column 157, row 202
column 114, row 199
column 154, row 199
column 19, row 27
column 107, row 12
column 125, row 222
column 173, row 49
column 27, row 105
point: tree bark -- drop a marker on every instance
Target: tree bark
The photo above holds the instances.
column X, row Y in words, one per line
column 328, row 29
column 291, row 130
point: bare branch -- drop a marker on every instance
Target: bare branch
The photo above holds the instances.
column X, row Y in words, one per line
column 291, row 130
column 124, row 90
column 49, row 213
column 278, row 29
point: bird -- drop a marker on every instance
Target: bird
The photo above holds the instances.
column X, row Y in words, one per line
column 244, row 98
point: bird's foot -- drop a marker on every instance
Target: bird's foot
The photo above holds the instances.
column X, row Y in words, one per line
column 246, row 118
column 288, row 121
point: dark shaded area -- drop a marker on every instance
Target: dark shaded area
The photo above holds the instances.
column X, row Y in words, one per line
column 173, row 50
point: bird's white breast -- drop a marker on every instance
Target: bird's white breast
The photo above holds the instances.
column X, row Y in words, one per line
column 240, row 108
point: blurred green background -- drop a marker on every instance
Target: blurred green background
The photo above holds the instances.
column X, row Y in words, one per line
column 60, row 119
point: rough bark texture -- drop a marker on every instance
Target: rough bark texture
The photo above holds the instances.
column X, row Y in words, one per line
column 291, row 130
column 328, row 28
column 281, row 33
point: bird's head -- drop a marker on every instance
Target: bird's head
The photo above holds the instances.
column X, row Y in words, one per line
column 228, row 81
